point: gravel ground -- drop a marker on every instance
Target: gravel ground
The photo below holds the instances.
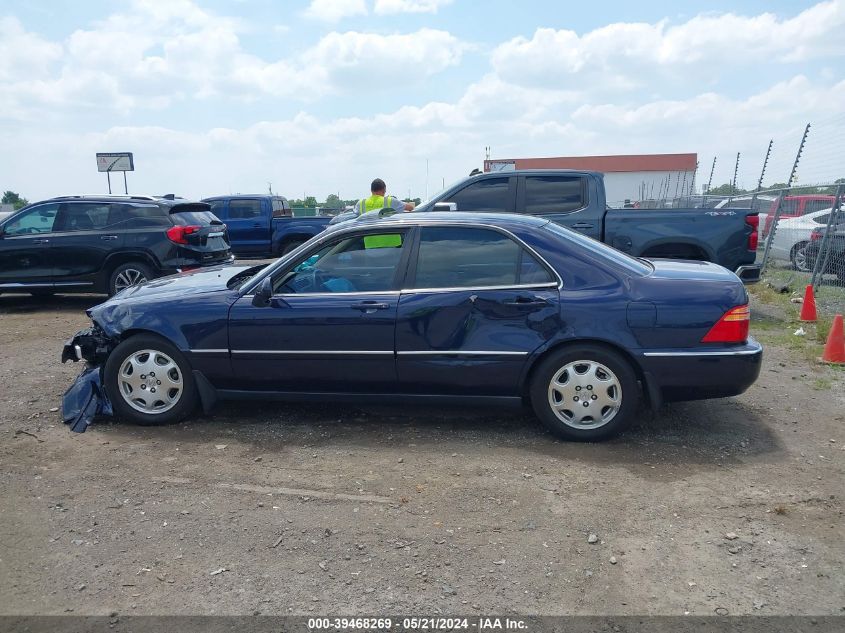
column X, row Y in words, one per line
column 727, row 506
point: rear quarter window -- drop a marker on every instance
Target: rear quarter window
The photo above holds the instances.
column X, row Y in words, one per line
column 187, row 214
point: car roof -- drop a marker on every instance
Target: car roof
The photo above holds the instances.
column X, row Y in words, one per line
column 238, row 196
column 503, row 220
column 167, row 201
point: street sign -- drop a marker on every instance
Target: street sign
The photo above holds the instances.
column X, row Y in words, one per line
column 116, row 161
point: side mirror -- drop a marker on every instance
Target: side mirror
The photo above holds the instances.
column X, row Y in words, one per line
column 445, row 206
column 261, row 298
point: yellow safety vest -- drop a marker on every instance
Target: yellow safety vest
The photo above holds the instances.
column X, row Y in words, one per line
column 374, row 203
column 377, row 203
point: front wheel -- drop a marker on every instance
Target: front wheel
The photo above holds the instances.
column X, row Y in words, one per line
column 149, row 381
column 585, row 393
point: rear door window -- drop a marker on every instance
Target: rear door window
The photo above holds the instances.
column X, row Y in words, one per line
column 488, row 195
column 244, row 209
column 553, row 194
column 462, row 257
column 281, row 209
column 133, row 216
column 83, row 216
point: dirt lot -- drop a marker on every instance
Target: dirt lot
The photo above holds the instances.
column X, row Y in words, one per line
column 274, row 508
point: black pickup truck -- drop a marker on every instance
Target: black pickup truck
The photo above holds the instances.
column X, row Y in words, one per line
column 576, row 200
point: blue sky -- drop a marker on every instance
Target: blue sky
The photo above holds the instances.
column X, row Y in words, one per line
column 320, row 96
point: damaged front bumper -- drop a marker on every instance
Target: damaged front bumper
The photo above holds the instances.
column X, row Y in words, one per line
column 86, row 398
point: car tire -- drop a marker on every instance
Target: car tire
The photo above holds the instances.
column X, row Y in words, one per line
column 798, row 257
column 139, row 395
column 576, row 374
column 129, row 274
column 290, row 246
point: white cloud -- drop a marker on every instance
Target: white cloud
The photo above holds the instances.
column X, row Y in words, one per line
column 351, row 58
column 630, row 54
column 157, row 53
column 334, row 10
column 385, row 7
column 23, row 54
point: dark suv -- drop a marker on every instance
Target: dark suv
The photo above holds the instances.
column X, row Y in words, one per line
column 106, row 243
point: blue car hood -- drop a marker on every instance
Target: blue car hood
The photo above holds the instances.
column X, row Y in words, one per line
column 199, row 281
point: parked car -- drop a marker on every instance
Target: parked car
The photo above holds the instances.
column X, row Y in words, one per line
column 796, row 206
column 836, row 245
column 576, row 199
column 426, row 307
column 264, row 226
column 106, row 243
column 794, row 234
column 760, row 203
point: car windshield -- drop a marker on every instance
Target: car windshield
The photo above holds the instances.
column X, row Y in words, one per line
column 633, row 264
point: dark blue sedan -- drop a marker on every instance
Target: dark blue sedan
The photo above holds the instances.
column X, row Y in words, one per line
column 487, row 309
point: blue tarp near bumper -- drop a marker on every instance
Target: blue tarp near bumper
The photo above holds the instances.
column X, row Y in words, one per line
column 84, row 400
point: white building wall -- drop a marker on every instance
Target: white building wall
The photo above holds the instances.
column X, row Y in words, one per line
column 621, row 186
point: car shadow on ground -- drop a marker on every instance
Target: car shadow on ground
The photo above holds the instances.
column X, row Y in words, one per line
column 24, row 303
column 684, row 436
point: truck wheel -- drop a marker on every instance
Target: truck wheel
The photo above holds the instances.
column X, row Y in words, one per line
column 149, row 381
column 129, row 274
column 585, row 393
column 290, row 246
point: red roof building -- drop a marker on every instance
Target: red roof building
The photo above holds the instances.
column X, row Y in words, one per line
column 626, row 177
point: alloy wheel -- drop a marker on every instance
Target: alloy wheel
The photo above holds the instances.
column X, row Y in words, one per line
column 150, row 381
column 129, row 277
column 585, row 394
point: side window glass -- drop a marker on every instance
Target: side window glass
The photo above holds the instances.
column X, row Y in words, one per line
column 456, row 257
column 356, row 264
column 217, row 208
column 485, row 195
column 37, row 220
column 822, row 219
column 280, row 209
column 244, row 209
column 553, row 194
column 138, row 216
column 83, row 216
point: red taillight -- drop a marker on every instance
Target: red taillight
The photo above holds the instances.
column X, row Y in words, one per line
column 815, row 236
column 179, row 234
column 731, row 328
column 753, row 239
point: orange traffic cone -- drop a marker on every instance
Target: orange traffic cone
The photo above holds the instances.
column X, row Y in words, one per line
column 808, row 307
column 834, row 349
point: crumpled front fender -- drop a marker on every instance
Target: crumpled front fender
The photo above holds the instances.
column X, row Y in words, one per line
column 91, row 344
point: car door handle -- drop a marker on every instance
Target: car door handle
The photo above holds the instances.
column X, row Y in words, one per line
column 257, row 225
column 41, row 241
column 582, row 225
column 108, row 237
column 527, row 301
column 369, row 306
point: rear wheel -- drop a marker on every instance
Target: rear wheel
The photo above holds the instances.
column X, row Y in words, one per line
column 129, row 274
column 149, row 381
column 585, row 393
column 798, row 257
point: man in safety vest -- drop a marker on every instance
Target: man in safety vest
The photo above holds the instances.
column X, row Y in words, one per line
column 379, row 200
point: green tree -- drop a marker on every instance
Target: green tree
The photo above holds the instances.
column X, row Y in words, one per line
column 10, row 197
column 725, row 190
column 333, row 201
